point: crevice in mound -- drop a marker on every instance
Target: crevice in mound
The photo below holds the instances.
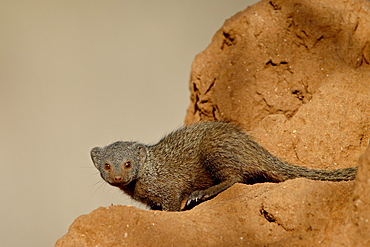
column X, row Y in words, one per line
column 271, row 63
column 272, row 219
column 268, row 216
column 299, row 94
column 229, row 39
column 203, row 103
column 275, row 5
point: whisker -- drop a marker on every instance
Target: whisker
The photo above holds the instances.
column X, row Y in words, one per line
column 101, row 183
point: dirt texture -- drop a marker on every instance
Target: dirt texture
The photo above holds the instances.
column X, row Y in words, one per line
column 296, row 75
column 301, row 211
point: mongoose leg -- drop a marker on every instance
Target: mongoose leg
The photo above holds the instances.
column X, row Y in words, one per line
column 171, row 205
column 201, row 195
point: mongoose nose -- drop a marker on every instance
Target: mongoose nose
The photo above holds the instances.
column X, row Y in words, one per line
column 118, row 179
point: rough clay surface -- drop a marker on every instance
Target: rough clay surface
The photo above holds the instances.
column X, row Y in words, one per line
column 296, row 74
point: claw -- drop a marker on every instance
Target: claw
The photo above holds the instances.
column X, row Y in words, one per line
column 188, row 203
column 191, row 202
column 194, row 199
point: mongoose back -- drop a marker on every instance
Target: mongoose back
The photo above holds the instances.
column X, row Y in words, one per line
column 195, row 163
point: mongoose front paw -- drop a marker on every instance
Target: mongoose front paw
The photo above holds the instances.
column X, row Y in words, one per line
column 195, row 197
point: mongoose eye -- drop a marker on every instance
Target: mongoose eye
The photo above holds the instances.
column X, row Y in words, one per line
column 107, row 166
column 128, row 164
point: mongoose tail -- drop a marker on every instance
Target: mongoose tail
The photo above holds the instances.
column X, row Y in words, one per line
column 280, row 171
column 344, row 174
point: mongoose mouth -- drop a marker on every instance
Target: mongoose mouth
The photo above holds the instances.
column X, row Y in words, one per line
column 124, row 185
column 118, row 184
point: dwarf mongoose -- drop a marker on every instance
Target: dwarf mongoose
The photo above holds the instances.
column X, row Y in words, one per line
column 195, row 163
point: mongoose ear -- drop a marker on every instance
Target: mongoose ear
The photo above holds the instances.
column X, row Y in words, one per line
column 141, row 151
column 95, row 154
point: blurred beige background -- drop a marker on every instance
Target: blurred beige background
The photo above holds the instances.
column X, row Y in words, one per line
column 79, row 74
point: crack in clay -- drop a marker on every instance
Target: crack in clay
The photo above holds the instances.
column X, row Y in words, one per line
column 272, row 219
column 203, row 102
column 270, row 62
column 210, row 86
column 229, row 39
column 274, row 5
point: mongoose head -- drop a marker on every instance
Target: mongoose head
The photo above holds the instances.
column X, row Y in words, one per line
column 119, row 162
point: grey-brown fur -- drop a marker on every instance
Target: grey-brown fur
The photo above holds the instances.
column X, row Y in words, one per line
column 195, row 163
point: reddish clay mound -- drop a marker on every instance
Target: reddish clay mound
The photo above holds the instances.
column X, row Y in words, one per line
column 296, row 74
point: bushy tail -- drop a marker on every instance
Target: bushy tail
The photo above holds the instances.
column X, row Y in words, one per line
column 325, row 175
